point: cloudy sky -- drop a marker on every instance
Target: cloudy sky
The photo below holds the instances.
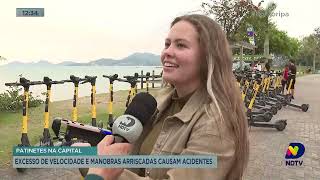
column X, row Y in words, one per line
column 85, row 30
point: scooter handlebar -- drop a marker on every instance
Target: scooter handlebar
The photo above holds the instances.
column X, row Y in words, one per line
column 68, row 80
column 113, row 77
column 12, row 84
column 73, row 79
column 47, row 80
column 35, row 82
column 57, row 82
column 122, row 80
column 23, row 81
column 90, row 77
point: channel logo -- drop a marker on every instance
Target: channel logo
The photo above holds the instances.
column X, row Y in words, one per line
column 294, row 151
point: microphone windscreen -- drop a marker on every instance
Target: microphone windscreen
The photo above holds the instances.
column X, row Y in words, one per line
column 142, row 106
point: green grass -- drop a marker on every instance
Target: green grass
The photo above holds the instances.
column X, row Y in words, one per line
column 8, row 130
column 10, row 123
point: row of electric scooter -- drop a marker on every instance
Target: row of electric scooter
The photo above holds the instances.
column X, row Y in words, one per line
column 263, row 96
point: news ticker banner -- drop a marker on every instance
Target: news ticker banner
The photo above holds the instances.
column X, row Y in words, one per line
column 84, row 157
column 54, row 151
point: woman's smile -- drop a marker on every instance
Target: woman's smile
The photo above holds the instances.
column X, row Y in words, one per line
column 169, row 66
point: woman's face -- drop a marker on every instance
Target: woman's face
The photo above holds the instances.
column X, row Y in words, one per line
column 181, row 56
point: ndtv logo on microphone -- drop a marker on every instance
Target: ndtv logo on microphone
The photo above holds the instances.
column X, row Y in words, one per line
column 294, row 151
column 126, row 123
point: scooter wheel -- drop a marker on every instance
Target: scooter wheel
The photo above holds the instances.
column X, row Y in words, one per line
column 274, row 110
column 279, row 106
column 267, row 116
column 281, row 125
column 305, row 107
column 284, row 102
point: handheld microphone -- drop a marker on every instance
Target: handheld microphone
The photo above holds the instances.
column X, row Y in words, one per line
column 126, row 128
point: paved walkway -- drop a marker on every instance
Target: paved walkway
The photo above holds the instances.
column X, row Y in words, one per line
column 267, row 148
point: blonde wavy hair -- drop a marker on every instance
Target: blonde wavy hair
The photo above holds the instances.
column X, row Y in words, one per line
column 221, row 86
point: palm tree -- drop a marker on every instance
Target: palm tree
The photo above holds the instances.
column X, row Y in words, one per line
column 266, row 13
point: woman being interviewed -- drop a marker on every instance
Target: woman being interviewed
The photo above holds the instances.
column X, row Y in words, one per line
column 201, row 111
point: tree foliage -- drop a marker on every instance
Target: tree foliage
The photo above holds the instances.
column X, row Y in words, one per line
column 236, row 16
column 12, row 99
column 282, row 44
column 228, row 13
column 310, row 48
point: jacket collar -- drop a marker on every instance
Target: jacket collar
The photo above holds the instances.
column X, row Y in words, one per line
column 195, row 102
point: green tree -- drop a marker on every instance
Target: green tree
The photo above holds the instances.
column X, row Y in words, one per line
column 259, row 26
column 260, row 20
column 228, row 13
column 12, row 100
column 268, row 38
column 281, row 44
column 236, row 16
column 309, row 53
